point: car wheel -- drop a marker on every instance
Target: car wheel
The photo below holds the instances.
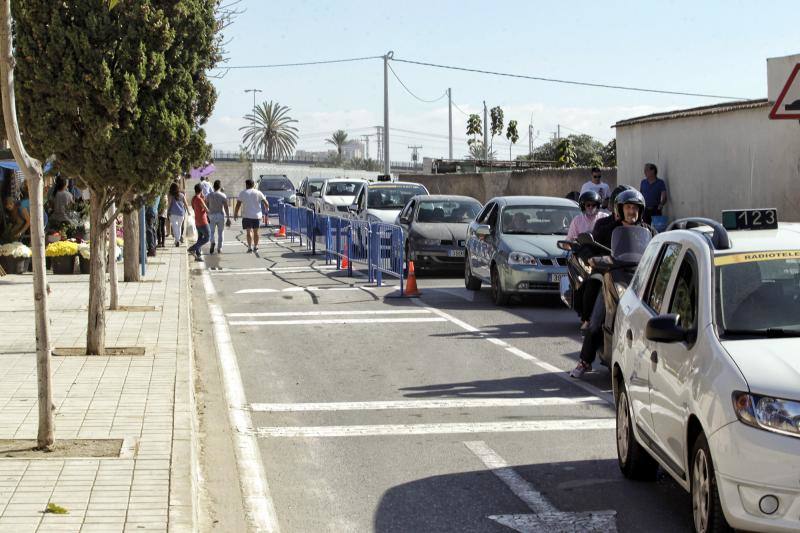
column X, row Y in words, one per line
column 634, row 461
column 706, row 507
column 499, row 297
column 470, row 282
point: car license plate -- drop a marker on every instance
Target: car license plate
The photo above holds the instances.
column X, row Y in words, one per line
column 455, row 253
column 556, row 278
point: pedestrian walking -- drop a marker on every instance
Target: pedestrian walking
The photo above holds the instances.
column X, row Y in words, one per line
column 162, row 220
column 255, row 204
column 206, row 186
column 654, row 190
column 177, row 211
column 597, row 185
column 218, row 216
column 151, row 226
column 200, row 221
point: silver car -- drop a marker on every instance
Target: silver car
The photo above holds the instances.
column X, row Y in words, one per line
column 512, row 245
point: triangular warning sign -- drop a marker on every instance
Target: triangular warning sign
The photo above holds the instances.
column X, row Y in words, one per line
column 787, row 106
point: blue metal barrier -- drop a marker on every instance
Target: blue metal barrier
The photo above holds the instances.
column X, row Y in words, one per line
column 386, row 252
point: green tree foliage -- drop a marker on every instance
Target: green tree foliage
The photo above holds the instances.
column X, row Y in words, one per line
column 474, row 128
column 338, row 139
column 269, row 130
column 609, row 154
column 512, row 135
column 478, row 152
column 588, row 151
column 118, row 96
column 565, row 153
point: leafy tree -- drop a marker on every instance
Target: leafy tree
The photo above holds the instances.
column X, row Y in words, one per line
column 588, row 151
column 474, row 128
column 270, row 129
column 565, row 152
column 609, row 154
column 512, row 135
column 478, row 152
column 338, row 139
column 124, row 110
column 496, row 115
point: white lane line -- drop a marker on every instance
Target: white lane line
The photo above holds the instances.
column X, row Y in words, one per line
column 258, row 506
column 422, row 404
column 587, row 424
column 562, row 374
column 521, row 488
column 304, row 289
column 329, row 313
column 335, row 321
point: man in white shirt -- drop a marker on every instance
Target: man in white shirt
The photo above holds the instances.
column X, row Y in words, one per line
column 205, row 185
column 255, row 205
column 597, row 185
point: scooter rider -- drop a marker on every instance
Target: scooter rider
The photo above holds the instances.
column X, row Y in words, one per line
column 628, row 210
column 589, row 203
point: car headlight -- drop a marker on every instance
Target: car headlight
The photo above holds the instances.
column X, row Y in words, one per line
column 521, row 258
column 425, row 242
column 766, row 412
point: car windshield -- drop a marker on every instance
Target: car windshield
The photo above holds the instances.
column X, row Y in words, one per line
column 392, row 196
column 758, row 295
column 275, row 184
column 448, row 211
column 342, row 188
column 314, row 186
column 538, row 219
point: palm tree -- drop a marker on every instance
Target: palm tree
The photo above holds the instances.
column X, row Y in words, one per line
column 338, row 139
column 270, row 129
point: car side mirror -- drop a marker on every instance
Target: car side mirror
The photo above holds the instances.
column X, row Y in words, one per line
column 665, row 328
column 353, row 208
column 483, row 230
column 564, row 245
column 405, row 220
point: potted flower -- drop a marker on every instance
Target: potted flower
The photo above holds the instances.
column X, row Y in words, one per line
column 15, row 257
column 62, row 256
column 83, row 257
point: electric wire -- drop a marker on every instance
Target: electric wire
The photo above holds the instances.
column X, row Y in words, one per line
column 409, row 90
column 567, row 82
column 300, row 64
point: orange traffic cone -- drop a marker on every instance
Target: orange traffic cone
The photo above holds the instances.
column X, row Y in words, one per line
column 346, row 257
column 411, row 281
column 282, row 231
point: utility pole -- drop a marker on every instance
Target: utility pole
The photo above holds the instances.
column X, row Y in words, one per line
column 379, row 140
column 450, row 122
column 530, row 139
column 366, row 143
column 558, row 136
column 415, row 154
column 254, row 91
column 387, row 163
column 485, row 132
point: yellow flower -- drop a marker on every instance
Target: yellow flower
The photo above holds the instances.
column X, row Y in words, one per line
column 61, row 249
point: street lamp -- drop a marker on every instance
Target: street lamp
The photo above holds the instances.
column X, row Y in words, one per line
column 255, row 148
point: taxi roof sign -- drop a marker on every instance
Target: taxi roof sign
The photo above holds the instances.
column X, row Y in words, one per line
column 787, row 104
column 750, row 219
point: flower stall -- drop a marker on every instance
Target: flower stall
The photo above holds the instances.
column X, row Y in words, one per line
column 62, row 256
column 15, row 258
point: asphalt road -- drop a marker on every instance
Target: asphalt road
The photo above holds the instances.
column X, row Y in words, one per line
column 443, row 413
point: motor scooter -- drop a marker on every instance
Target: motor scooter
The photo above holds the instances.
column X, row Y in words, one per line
column 583, row 248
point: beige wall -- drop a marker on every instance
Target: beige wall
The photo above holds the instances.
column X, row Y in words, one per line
column 483, row 187
column 737, row 159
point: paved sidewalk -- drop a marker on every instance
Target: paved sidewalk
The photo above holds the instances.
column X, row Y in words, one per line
column 145, row 400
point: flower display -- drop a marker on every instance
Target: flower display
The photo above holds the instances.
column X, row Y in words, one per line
column 83, row 250
column 61, row 249
column 15, row 249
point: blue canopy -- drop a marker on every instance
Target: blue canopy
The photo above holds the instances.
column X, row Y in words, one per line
column 12, row 165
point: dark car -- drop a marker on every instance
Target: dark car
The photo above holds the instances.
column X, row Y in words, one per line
column 278, row 190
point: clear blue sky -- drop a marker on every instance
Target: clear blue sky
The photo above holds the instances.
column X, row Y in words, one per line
column 709, row 47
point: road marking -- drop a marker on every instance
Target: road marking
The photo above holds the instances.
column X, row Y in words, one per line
column 258, row 506
column 330, row 313
column 422, row 404
column 546, row 517
column 607, row 397
column 306, row 322
column 304, row 289
column 586, row 424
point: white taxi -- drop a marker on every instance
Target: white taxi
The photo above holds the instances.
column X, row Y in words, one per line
column 706, row 369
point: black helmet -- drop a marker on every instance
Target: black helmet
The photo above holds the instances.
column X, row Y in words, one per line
column 589, row 197
column 617, row 190
column 631, row 196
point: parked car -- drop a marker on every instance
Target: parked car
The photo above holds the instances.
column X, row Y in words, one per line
column 435, row 229
column 307, row 189
column 278, row 190
column 512, row 245
column 335, row 196
column 383, row 201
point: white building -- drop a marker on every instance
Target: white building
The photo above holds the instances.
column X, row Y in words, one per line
column 716, row 157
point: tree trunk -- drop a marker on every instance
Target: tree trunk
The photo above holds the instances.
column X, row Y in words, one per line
column 130, row 252
column 32, row 170
column 112, row 260
column 96, row 326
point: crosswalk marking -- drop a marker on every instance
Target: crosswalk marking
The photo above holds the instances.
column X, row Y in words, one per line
column 586, row 424
column 446, row 403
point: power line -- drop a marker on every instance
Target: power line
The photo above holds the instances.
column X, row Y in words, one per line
column 462, row 112
column 568, row 82
column 411, row 93
column 301, row 64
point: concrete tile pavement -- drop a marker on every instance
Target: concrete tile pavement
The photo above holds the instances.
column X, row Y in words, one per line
column 145, row 400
